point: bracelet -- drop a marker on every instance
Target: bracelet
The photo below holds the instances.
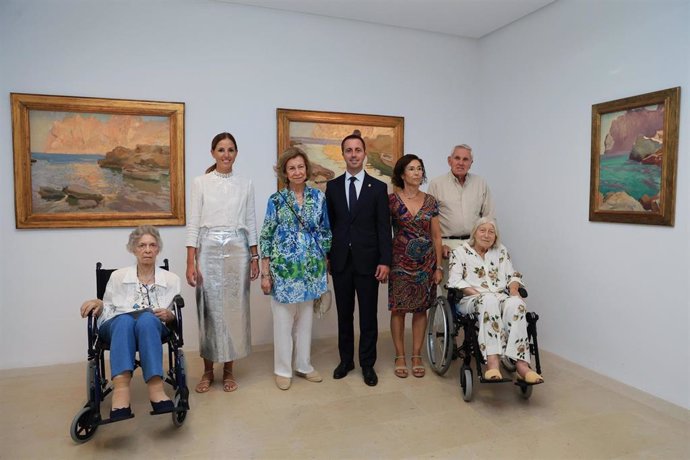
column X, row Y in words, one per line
column 439, row 268
column 265, row 276
column 254, row 257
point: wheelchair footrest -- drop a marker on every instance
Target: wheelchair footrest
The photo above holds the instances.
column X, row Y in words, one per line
column 522, row 383
column 168, row 411
column 503, row 380
column 119, row 419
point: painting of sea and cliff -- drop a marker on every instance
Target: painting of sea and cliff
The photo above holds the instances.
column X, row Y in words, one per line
column 89, row 162
column 319, row 134
column 633, row 159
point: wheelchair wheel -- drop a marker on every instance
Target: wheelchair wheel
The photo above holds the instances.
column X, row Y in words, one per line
column 439, row 340
column 178, row 418
column 84, row 425
column 525, row 391
column 466, row 383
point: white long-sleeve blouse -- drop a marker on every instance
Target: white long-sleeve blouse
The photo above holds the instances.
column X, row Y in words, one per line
column 493, row 273
column 221, row 200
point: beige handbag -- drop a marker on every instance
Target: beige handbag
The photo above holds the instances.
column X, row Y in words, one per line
column 323, row 304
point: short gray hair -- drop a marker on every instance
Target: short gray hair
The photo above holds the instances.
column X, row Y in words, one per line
column 140, row 231
column 462, row 146
column 481, row 221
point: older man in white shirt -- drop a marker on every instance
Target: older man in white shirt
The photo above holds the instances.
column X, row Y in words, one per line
column 462, row 198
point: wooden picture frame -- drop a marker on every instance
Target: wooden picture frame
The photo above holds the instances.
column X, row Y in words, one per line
column 319, row 134
column 634, row 159
column 96, row 162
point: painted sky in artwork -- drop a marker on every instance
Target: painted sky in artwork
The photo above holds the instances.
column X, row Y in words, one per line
column 95, row 133
column 335, row 131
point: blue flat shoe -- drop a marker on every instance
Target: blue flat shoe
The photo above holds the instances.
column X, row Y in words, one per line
column 162, row 407
column 122, row 413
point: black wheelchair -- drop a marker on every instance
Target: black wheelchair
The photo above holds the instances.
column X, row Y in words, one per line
column 444, row 327
column 88, row 419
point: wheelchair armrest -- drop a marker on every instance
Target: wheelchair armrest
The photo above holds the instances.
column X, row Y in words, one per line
column 91, row 334
column 454, row 296
column 178, row 305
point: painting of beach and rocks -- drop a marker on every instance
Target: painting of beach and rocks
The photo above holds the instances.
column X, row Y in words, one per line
column 634, row 158
column 100, row 165
column 319, row 134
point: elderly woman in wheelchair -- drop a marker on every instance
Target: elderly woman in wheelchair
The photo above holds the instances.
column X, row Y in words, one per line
column 481, row 268
column 137, row 304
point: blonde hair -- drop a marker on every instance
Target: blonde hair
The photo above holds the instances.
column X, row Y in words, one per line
column 287, row 155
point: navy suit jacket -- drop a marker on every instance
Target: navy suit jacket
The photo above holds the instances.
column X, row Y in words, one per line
column 367, row 232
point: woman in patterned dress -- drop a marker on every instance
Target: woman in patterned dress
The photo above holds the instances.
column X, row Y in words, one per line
column 295, row 238
column 481, row 267
column 416, row 267
column 222, row 258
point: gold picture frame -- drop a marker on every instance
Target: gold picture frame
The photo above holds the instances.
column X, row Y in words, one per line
column 95, row 162
column 319, row 134
column 634, row 159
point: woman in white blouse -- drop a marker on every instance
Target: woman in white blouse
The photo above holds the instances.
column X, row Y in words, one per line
column 221, row 259
column 482, row 269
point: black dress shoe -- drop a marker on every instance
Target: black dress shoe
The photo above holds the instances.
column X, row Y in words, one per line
column 370, row 377
column 162, row 407
column 342, row 370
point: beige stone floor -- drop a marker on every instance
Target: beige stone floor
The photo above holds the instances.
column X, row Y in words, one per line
column 576, row 414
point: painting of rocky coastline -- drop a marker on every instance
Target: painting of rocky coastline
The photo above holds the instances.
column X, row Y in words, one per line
column 107, row 168
column 633, row 156
column 319, row 134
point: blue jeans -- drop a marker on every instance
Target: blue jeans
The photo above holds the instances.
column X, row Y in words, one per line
column 129, row 331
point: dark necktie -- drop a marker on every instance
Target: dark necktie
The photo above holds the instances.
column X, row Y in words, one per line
column 353, row 194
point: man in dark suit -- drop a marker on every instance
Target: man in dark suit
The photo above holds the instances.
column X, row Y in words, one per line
column 360, row 255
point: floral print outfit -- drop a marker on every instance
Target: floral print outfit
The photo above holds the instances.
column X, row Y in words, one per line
column 298, row 266
column 502, row 318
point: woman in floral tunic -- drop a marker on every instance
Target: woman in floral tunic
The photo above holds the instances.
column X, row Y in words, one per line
column 481, row 267
column 294, row 241
column 416, row 267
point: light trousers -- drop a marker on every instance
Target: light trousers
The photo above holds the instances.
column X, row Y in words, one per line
column 502, row 324
column 292, row 324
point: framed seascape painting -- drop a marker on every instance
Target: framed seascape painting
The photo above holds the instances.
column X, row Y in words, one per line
column 634, row 158
column 319, row 134
column 92, row 162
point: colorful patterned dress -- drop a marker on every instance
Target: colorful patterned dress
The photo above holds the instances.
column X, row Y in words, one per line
column 411, row 287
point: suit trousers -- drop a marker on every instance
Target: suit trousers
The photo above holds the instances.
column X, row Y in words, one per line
column 292, row 324
column 345, row 285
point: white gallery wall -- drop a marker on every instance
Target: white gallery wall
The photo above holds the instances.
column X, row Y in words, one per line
column 611, row 297
column 232, row 66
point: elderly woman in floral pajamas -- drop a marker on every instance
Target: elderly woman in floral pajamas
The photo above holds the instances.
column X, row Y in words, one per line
column 482, row 269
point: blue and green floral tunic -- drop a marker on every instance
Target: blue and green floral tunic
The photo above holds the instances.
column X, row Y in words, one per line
column 298, row 266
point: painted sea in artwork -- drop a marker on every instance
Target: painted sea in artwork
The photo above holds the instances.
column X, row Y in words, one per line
column 99, row 163
column 620, row 174
column 119, row 192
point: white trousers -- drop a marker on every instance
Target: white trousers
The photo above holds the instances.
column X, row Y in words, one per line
column 292, row 329
column 502, row 324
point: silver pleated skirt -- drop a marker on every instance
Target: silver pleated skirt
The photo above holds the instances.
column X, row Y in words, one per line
column 222, row 294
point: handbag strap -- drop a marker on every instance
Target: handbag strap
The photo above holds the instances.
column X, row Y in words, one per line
column 302, row 223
